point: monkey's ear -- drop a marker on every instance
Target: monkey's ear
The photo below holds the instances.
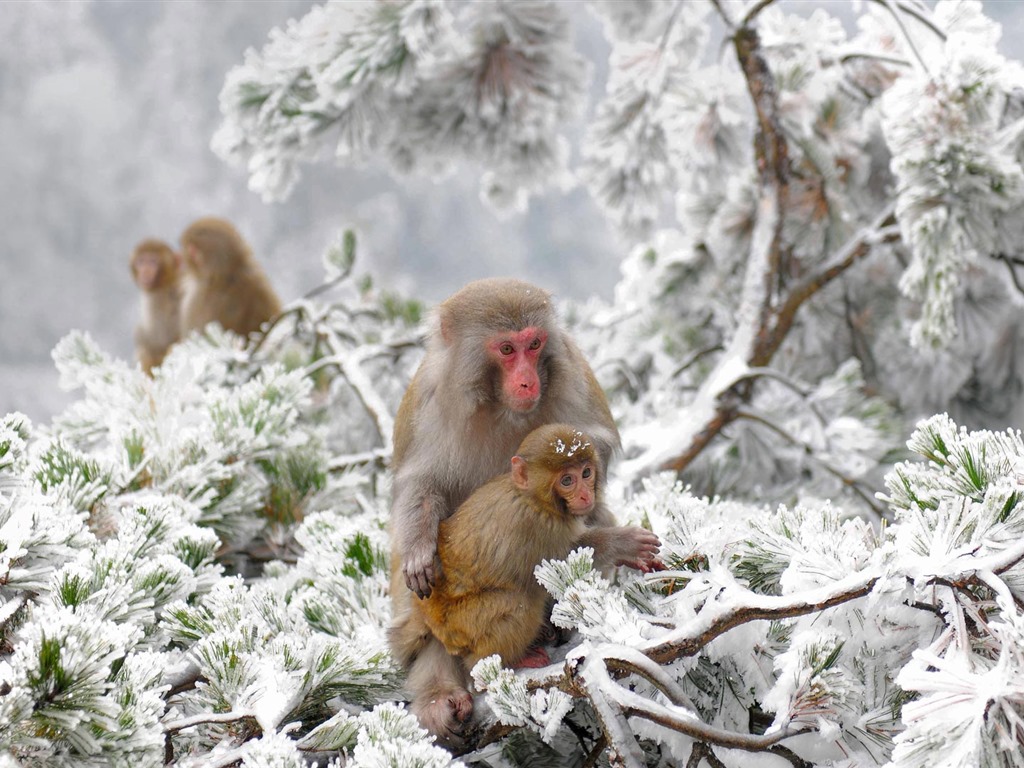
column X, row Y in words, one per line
column 519, row 478
column 447, row 331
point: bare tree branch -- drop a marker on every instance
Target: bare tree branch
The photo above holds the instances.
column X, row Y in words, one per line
column 755, row 11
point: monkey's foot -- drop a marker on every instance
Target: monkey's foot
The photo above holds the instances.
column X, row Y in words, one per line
column 447, row 718
column 461, row 705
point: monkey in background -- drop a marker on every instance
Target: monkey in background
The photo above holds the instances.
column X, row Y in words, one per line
column 497, row 366
column 223, row 282
column 486, row 599
column 155, row 270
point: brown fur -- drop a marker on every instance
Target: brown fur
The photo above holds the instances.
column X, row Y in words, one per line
column 158, row 326
column 225, row 284
column 453, row 433
column 486, row 599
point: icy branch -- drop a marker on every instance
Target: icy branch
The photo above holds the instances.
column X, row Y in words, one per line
column 342, row 463
column 623, row 749
column 350, row 365
column 614, row 703
column 226, row 717
column 736, row 606
column 716, row 404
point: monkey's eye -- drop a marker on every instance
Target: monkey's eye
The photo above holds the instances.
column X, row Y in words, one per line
column 587, row 472
column 506, row 349
column 566, row 481
column 535, row 344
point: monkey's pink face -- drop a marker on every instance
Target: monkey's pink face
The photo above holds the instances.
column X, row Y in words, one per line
column 517, row 354
column 147, row 269
column 576, row 487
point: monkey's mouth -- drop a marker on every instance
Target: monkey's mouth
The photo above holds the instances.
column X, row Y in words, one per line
column 523, row 403
column 576, row 511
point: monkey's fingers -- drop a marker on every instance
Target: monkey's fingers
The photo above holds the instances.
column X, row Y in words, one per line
column 420, row 581
column 420, row 585
column 649, row 539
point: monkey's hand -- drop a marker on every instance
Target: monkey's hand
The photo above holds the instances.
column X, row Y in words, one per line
column 421, row 569
column 637, row 548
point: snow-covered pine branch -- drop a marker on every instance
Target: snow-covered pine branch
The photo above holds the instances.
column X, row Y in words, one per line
column 806, row 616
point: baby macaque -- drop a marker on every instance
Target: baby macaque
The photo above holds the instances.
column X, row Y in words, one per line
column 155, row 270
column 486, row 599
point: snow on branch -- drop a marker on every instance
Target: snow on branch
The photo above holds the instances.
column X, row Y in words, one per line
column 421, row 83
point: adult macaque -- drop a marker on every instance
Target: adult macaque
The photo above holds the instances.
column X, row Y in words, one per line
column 223, row 284
column 497, row 366
column 155, row 270
column 486, row 599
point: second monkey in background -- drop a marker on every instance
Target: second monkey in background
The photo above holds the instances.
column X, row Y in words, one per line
column 223, row 282
column 155, row 270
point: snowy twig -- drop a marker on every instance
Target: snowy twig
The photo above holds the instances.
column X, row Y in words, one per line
column 1011, row 266
column 726, row 18
column 720, row 395
column 614, row 704
column 341, row 463
column 880, row 230
column 895, row 11
column 850, row 482
column 593, row 676
column 182, row 679
column 919, row 13
column 896, row 61
column 298, row 312
column 997, row 562
column 755, row 11
column 623, row 749
column 736, row 606
column 772, row 156
column 350, row 366
column 629, row 661
column 801, row 388
column 207, row 717
column 694, row 359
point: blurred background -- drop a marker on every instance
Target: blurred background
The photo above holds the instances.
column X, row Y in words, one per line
column 107, row 108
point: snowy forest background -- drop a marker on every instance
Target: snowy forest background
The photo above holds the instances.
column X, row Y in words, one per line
column 118, row 109
column 780, row 251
